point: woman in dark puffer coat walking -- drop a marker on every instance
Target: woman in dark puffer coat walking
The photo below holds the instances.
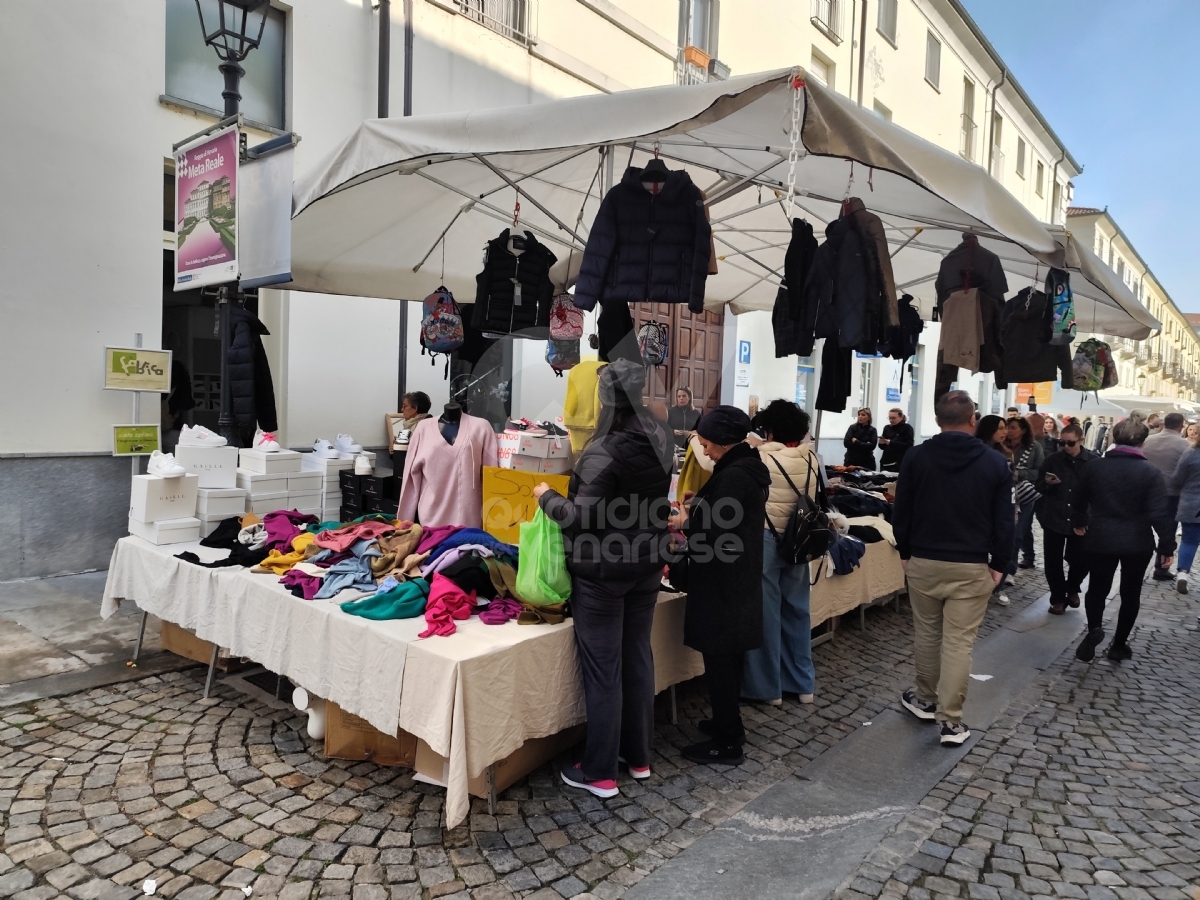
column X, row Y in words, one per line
column 1119, row 504
column 724, row 618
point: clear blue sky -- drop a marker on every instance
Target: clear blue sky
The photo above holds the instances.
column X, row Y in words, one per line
column 1117, row 81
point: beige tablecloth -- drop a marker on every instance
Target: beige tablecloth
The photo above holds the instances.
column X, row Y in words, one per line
column 473, row 697
column 879, row 574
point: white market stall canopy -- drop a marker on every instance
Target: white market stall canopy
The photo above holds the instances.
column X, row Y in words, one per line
column 375, row 218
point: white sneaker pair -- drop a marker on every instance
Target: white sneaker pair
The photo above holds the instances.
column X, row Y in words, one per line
column 343, row 448
column 199, row 436
column 266, row 441
column 164, row 466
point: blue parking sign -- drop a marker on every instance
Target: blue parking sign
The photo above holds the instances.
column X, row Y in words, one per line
column 744, row 352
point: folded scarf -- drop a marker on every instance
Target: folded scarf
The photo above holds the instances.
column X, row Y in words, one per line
column 499, row 611
column 301, row 584
column 403, row 541
column 225, row 535
column 348, row 535
column 398, row 567
column 431, row 537
column 253, row 536
column 504, row 578
column 405, row 601
column 283, row 525
column 349, row 573
column 446, row 603
column 451, row 556
column 277, row 563
column 474, row 536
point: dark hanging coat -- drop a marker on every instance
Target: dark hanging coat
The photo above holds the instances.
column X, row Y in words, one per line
column 835, row 294
column 903, row 340
column 787, row 317
column 495, row 310
column 879, row 263
column 250, row 386
column 646, row 246
column 724, row 605
column 1027, row 356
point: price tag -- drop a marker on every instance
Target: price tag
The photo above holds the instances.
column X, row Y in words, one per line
column 516, row 292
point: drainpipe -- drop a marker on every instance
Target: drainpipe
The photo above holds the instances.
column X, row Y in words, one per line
column 992, row 123
column 862, row 50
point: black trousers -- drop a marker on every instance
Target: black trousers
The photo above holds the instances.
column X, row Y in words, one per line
column 723, row 675
column 1057, row 548
column 612, row 633
column 1159, row 570
column 1103, row 568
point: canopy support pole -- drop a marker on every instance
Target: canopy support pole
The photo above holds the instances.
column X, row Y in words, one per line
column 462, row 209
column 726, row 192
column 553, row 218
column 907, row 242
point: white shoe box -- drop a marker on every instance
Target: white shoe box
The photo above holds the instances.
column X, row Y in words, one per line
column 262, row 504
column 544, row 446
column 258, row 484
column 167, row 531
column 152, row 498
column 310, row 462
column 220, row 502
column 332, row 483
column 304, row 499
column 522, row 463
column 208, row 524
column 314, row 511
column 216, row 466
column 269, row 463
column 305, row 482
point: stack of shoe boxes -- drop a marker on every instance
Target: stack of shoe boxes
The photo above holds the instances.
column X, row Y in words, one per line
column 362, row 494
column 306, row 492
column 163, row 510
column 542, row 454
column 264, row 477
column 331, row 472
column 218, row 495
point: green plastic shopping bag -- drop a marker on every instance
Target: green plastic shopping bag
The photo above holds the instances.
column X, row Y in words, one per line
column 542, row 576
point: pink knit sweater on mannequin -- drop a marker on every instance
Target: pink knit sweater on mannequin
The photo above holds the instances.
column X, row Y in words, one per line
column 443, row 483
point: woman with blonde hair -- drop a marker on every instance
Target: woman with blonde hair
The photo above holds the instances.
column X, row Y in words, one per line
column 861, row 440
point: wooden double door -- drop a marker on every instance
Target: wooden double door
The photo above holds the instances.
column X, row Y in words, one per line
column 694, row 358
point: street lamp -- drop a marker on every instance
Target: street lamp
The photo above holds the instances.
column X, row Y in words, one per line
column 232, row 40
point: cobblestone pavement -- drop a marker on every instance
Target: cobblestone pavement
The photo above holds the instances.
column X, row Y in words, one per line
column 1088, row 788
column 102, row 790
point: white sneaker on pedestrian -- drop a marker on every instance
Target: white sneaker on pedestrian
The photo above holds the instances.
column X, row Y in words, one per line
column 346, row 447
column 362, row 465
column 199, row 436
column 1181, row 580
column 265, row 441
column 164, row 466
column 1002, row 599
column 322, row 449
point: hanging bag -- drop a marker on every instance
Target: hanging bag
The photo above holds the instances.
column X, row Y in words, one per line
column 654, row 343
column 566, row 322
column 807, row 534
column 1026, row 491
column 562, row 355
column 1093, row 368
column 441, row 326
column 1060, row 311
column 542, row 577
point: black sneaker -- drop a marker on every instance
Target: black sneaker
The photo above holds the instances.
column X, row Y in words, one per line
column 706, row 726
column 1162, row 575
column 1025, row 563
column 710, row 752
column 1086, row 650
column 1119, row 653
column 919, row 708
column 955, row 733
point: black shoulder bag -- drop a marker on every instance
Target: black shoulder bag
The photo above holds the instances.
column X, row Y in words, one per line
column 807, row 535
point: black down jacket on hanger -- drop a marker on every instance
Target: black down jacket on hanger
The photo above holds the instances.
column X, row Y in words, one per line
column 495, row 309
column 646, row 246
column 787, row 318
column 1027, row 356
column 836, row 291
column 250, row 385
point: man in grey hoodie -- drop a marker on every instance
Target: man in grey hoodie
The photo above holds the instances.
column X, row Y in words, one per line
column 1165, row 448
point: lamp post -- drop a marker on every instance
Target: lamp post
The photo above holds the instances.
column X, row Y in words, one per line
column 233, row 38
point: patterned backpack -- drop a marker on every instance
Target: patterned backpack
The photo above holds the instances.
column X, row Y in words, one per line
column 1060, row 311
column 562, row 355
column 566, row 322
column 1093, row 368
column 441, row 325
column 654, row 343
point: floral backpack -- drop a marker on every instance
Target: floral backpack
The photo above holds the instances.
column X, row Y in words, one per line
column 1060, row 311
column 566, row 322
column 1093, row 368
column 441, row 325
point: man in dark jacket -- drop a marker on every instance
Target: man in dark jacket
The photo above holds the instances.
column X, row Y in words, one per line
column 1056, row 483
column 1165, row 449
column 954, row 553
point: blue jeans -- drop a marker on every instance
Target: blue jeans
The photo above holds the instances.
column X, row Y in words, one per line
column 1187, row 546
column 784, row 661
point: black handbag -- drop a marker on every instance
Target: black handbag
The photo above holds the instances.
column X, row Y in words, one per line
column 807, row 534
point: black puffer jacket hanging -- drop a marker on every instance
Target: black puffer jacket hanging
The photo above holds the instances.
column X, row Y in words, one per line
column 787, row 318
column 1027, row 356
column 835, row 293
column 646, row 246
column 496, row 311
column 250, row 385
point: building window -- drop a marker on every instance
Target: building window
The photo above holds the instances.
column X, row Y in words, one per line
column 1039, row 182
column 1056, row 202
column 1021, row 157
column 882, row 111
column 826, row 15
column 1121, row 269
column 996, row 154
column 823, row 70
column 864, row 385
column 885, row 24
column 507, row 17
column 933, row 60
column 192, row 66
column 700, row 20
column 966, row 147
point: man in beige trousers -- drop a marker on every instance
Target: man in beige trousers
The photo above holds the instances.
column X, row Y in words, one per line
column 954, row 523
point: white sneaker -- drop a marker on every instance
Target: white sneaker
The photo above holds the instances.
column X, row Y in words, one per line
column 266, row 442
column 346, row 447
column 1181, row 581
column 1002, row 599
column 199, row 436
column 362, row 465
column 164, row 466
column 322, row 449
column 403, row 437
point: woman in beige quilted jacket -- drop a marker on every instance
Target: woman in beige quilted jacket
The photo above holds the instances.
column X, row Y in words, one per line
column 784, row 662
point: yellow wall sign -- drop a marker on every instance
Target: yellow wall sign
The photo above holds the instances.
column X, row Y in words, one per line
column 135, row 440
column 508, row 499
column 1041, row 392
column 135, row 369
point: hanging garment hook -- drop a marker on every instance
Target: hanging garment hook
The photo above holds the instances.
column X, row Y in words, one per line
column 657, row 148
column 871, row 178
column 849, row 186
column 797, row 84
column 516, row 210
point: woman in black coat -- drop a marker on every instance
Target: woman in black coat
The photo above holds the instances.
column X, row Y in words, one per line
column 682, row 417
column 724, row 618
column 860, row 441
column 898, row 438
column 1119, row 504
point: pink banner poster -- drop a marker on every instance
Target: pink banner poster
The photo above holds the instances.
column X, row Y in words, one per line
column 206, row 211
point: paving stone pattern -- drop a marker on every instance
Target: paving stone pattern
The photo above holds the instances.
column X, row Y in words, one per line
column 102, row 790
column 1088, row 788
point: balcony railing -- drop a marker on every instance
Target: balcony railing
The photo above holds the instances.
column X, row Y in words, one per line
column 1125, row 348
column 1154, row 363
column 827, row 16
column 689, row 73
column 507, row 17
column 966, row 147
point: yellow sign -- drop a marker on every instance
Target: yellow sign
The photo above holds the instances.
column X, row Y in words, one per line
column 508, row 499
column 135, row 440
column 134, row 369
column 1042, row 392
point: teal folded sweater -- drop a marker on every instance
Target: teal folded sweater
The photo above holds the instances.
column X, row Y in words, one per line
column 405, row 601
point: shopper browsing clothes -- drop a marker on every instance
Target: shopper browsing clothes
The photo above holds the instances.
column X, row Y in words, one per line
column 724, row 618
column 1120, row 504
column 783, row 664
column 614, row 522
column 1185, row 484
column 1056, row 483
column 1027, row 460
column 897, row 440
column 682, row 417
column 860, row 441
column 1164, row 450
column 953, row 522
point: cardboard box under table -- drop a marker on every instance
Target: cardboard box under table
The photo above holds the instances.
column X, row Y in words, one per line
column 474, row 699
